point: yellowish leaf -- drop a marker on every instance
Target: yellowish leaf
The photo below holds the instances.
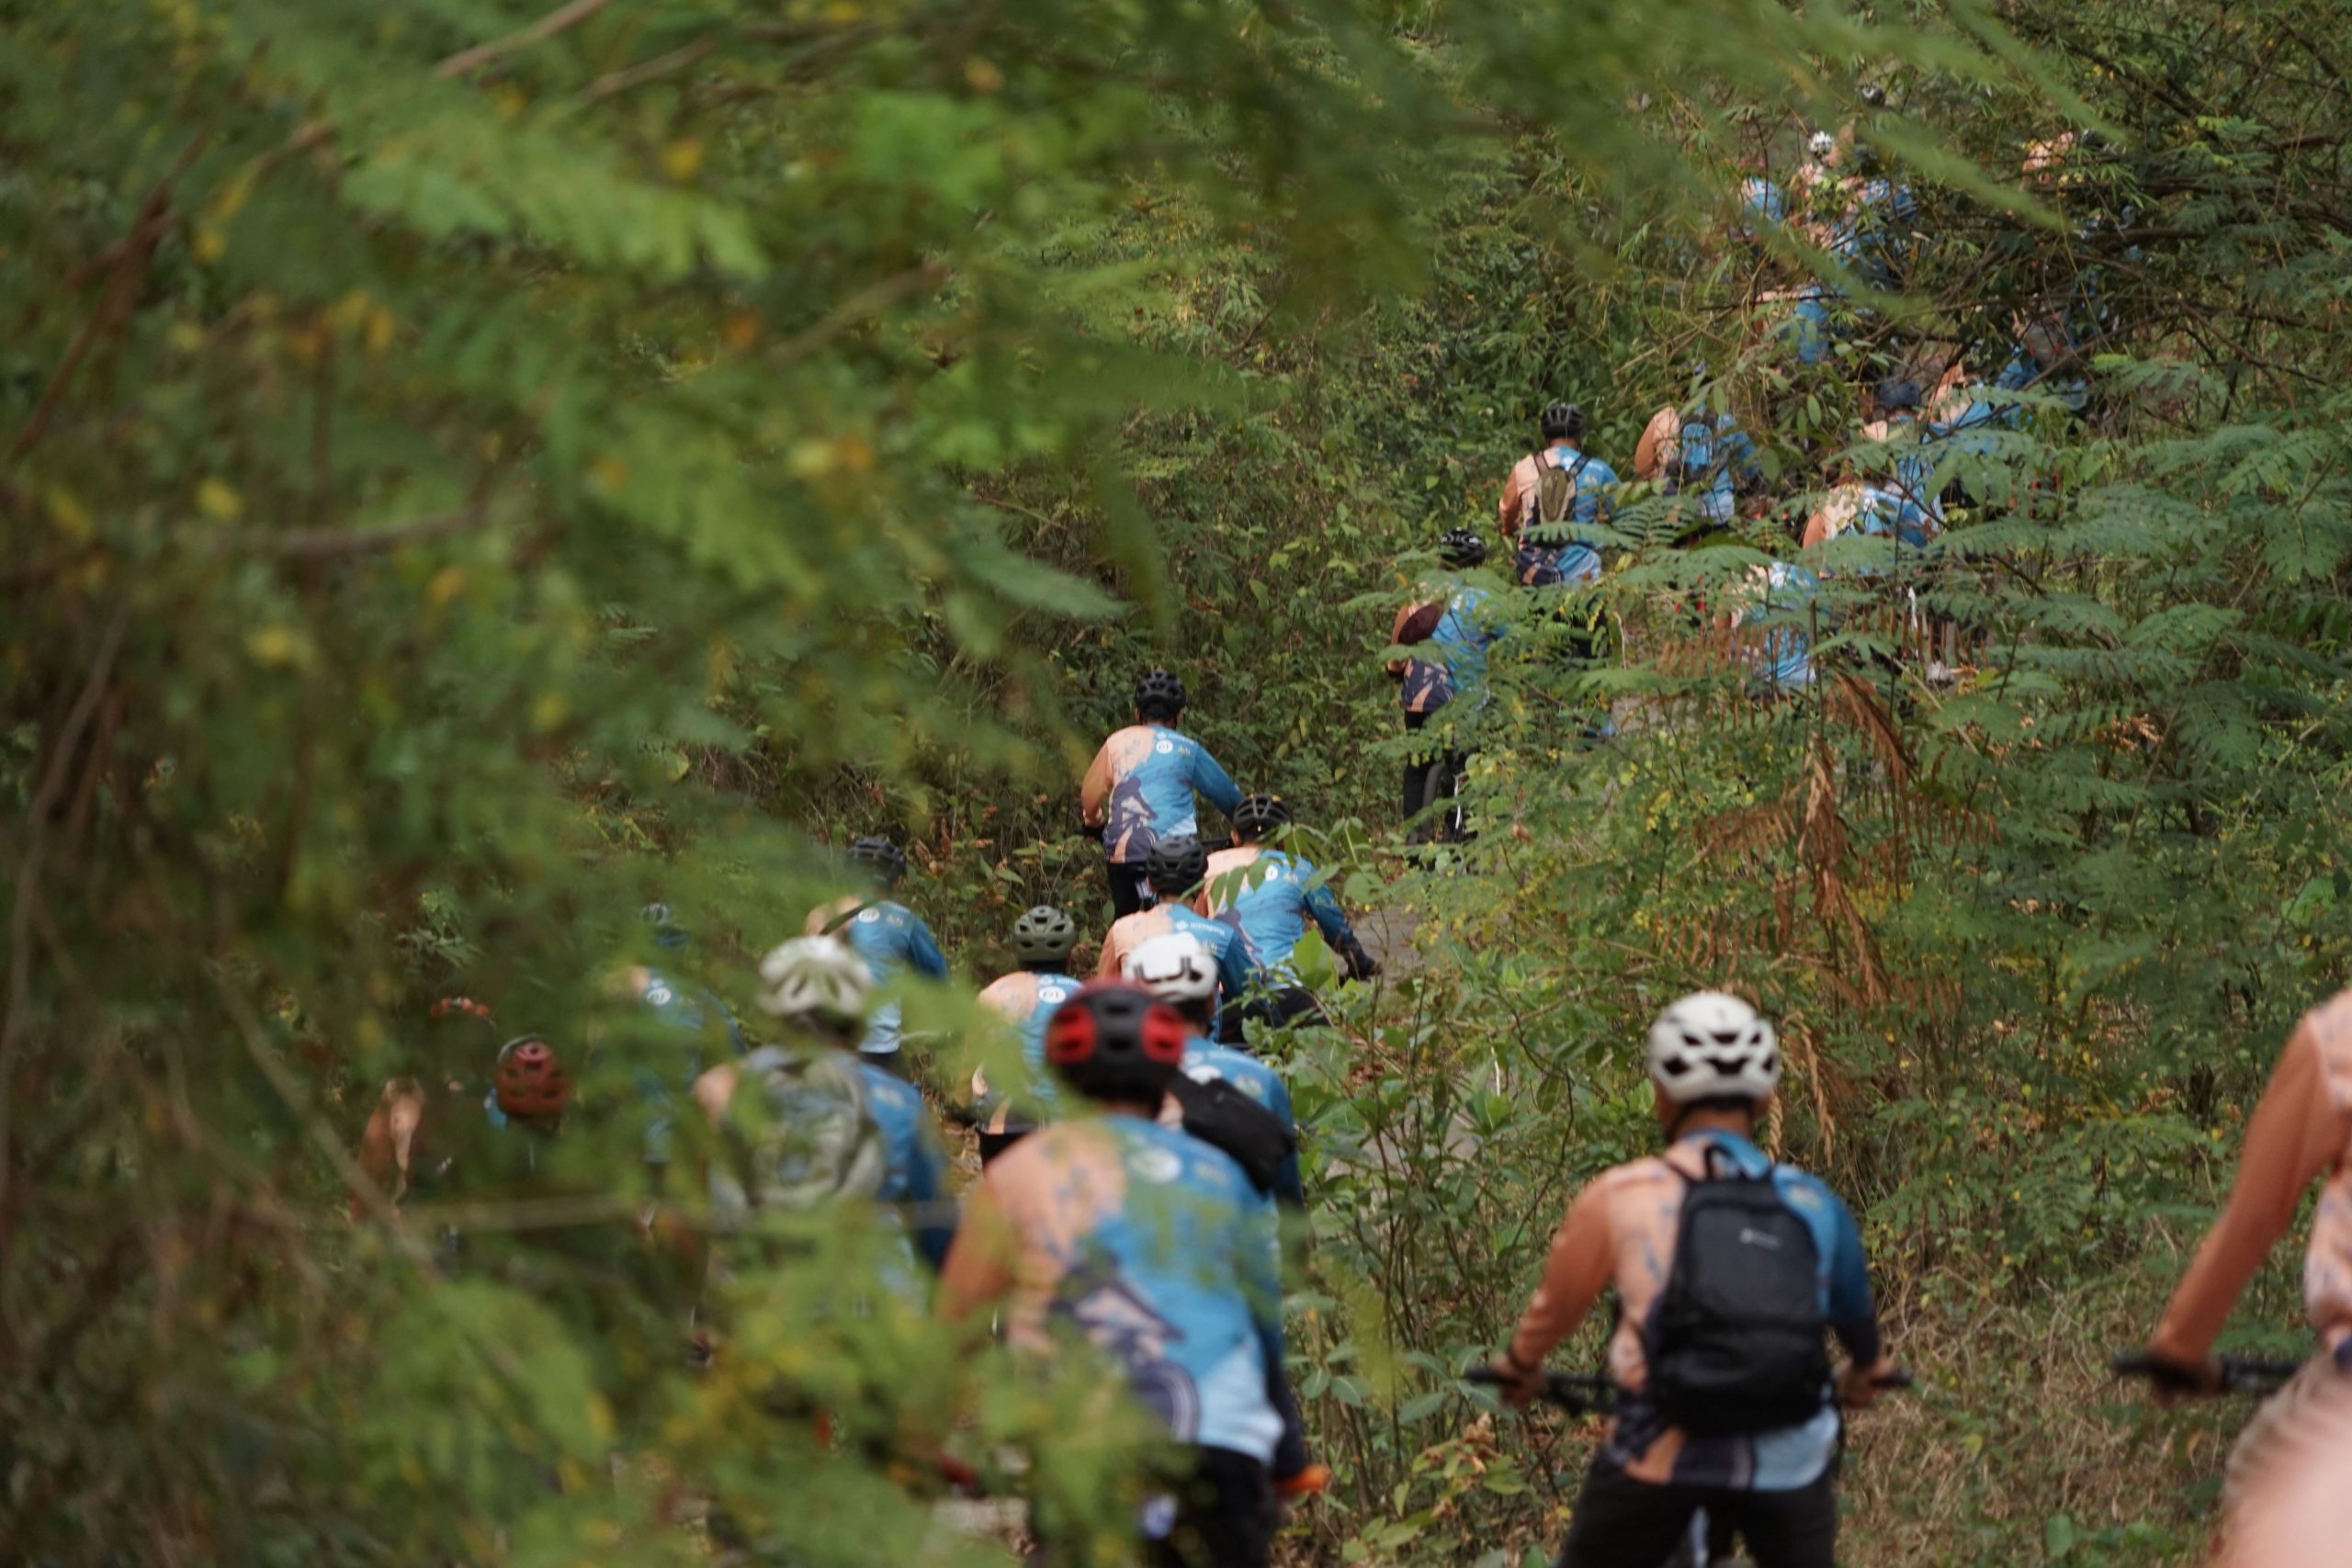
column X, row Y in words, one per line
column 219, row 501
column 682, row 159
column 274, row 646
column 447, row 584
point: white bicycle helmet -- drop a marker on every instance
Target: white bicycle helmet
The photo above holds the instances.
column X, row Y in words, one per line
column 1175, row 968
column 815, row 977
column 1709, row 1045
column 1821, row 144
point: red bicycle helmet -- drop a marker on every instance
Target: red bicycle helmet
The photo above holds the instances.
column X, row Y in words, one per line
column 531, row 1081
column 1113, row 1041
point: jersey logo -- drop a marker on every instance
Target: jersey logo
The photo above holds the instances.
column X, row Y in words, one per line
column 1156, row 1165
column 1165, row 748
column 657, row 996
column 865, row 916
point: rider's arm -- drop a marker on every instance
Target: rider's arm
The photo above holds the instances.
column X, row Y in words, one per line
column 2295, row 1133
column 1113, row 950
column 1235, row 966
column 1413, row 624
column 979, row 1269
column 1853, row 1315
column 923, row 951
column 1213, row 781
column 1510, row 508
column 1094, row 790
column 1583, row 1259
column 928, row 1192
column 1649, row 452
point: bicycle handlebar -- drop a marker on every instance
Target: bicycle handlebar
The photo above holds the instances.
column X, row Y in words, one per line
column 2240, row 1374
column 1589, row 1395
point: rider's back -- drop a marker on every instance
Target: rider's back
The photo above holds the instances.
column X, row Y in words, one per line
column 1155, row 1246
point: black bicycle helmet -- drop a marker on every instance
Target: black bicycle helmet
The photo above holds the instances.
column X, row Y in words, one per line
column 667, row 931
column 1462, row 547
column 1897, row 392
column 885, row 860
column 1044, row 935
column 1563, row 420
column 1113, row 1041
column 1176, row 865
column 1259, row 817
column 1160, row 695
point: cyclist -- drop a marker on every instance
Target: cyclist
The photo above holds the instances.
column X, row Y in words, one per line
column 1178, row 970
column 1139, row 789
column 1268, row 894
column 1726, row 1269
column 1174, row 869
column 429, row 1130
column 1453, row 621
column 1042, row 939
column 1698, row 451
column 1547, row 491
column 891, row 939
column 1156, row 1247
column 2301, row 1130
column 832, row 1123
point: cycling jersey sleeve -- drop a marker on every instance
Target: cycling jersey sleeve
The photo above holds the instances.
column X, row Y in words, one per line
column 1510, row 508
column 1330, row 919
column 1094, row 790
column 1235, row 965
column 922, row 950
column 979, row 1270
column 1649, row 453
column 1214, row 783
column 927, row 1191
column 1853, row 1316
column 1582, row 1259
column 2294, row 1134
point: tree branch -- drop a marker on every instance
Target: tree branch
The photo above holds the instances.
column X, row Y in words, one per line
column 546, row 28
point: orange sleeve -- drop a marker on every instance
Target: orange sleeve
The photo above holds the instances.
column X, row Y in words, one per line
column 1094, row 790
column 1106, row 963
column 2296, row 1132
column 385, row 1146
column 978, row 1271
column 1513, row 500
column 1649, row 453
column 1584, row 1257
column 1396, row 636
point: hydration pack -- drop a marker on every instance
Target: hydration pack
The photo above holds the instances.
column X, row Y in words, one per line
column 1736, row 1346
column 812, row 1138
column 1220, row 1113
column 1556, row 492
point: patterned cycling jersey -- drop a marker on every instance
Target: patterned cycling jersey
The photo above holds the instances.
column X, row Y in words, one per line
column 893, row 939
column 696, row 1020
column 1026, row 999
column 1269, row 896
column 1621, row 1231
column 1541, row 563
column 1235, row 964
column 1152, row 1244
column 916, row 1179
column 1780, row 600
column 1142, row 782
column 1703, row 455
column 1762, row 204
column 1459, row 637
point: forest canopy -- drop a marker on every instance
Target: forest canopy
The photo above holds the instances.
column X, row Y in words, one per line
column 475, row 470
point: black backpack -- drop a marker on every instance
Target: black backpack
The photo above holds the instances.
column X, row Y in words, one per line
column 1737, row 1346
column 1220, row 1114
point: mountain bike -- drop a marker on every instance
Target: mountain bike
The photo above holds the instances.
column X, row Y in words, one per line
column 2240, row 1374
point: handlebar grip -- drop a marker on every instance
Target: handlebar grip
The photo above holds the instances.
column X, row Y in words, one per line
column 1896, row 1379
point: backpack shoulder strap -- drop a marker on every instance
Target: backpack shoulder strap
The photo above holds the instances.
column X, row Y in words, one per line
column 846, row 916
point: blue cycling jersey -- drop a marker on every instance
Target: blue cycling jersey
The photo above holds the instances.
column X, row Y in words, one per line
column 1464, row 632
column 1149, row 774
column 1787, row 664
column 1234, row 962
column 893, row 939
column 701, row 1022
column 1714, row 458
column 1269, row 896
column 917, row 1178
column 1542, row 563
column 1026, row 999
column 1156, row 1247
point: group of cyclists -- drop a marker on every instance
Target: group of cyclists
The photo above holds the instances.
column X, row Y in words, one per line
column 1137, row 1145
